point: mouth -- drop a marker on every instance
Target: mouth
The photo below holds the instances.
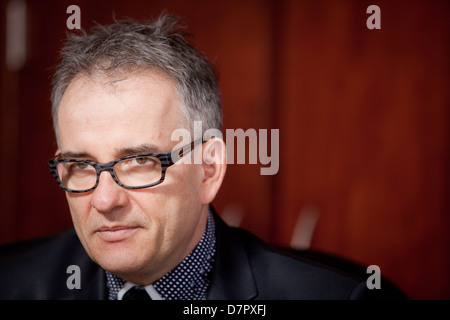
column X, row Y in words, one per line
column 116, row 233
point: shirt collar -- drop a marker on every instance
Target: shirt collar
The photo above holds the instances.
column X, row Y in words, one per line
column 189, row 280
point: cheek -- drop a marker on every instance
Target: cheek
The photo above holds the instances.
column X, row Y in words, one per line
column 79, row 206
column 177, row 200
column 187, row 186
column 188, row 177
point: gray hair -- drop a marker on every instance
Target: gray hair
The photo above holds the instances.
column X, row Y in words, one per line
column 128, row 46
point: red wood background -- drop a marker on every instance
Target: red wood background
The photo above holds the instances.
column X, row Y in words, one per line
column 363, row 117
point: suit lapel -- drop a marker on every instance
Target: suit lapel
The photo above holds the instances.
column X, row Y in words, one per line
column 232, row 276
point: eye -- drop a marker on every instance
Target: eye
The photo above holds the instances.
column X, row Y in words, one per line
column 142, row 160
column 78, row 168
column 81, row 165
column 138, row 163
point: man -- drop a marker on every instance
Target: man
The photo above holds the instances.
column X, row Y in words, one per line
column 139, row 201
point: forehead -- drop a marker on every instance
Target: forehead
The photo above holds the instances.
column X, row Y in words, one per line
column 119, row 111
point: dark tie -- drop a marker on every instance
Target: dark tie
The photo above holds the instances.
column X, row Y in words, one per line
column 136, row 293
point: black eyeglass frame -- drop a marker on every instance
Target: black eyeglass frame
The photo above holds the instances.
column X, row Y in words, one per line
column 167, row 159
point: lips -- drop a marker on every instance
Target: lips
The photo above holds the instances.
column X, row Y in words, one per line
column 116, row 233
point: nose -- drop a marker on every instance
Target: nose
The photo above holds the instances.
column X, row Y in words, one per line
column 108, row 196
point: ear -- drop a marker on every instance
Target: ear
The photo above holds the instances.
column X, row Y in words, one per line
column 214, row 166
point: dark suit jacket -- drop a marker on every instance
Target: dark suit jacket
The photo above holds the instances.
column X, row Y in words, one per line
column 244, row 268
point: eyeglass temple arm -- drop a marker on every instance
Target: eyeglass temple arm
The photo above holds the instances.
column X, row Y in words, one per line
column 181, row 152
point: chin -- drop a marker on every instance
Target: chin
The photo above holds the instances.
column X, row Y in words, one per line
column 119, row 258
column 123, row 265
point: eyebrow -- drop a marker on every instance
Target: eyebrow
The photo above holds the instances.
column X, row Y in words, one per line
column 122, row 152
column 142, row 149
column 75, row 155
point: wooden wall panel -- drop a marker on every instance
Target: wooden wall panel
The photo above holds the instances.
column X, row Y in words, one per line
column 365, row 135
column 8, row 138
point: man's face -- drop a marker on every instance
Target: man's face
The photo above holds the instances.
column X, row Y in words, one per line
column 137, row 234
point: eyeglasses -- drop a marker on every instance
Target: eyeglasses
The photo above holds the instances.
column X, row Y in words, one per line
column 130, row 172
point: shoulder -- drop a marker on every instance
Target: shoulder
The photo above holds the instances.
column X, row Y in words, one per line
column 38, row 268
column 285, row 276
column 290, row 274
